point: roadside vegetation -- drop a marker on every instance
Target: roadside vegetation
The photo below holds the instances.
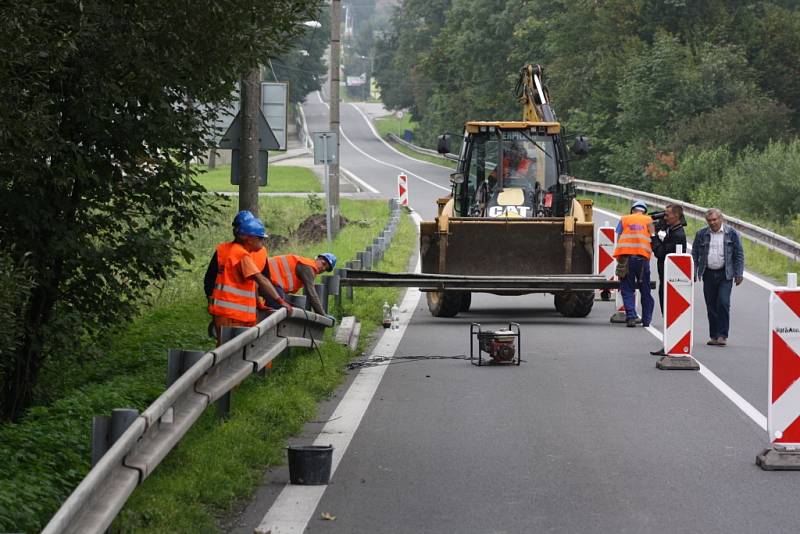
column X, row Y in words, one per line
column 47, row 452
column 698, row 101
column 280, row 179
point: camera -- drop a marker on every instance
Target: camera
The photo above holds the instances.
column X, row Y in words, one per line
column 660, row 223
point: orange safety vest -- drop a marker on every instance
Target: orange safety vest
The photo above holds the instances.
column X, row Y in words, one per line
column 260, row 258
column 233, row 295
column 282, row 271
column 635, row 236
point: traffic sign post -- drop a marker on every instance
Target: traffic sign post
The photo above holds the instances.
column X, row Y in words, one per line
column 678, row 313
column 325, row 154
column 783, row 414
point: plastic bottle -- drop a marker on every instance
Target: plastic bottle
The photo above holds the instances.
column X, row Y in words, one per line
column 387, row 315
column 395, row 317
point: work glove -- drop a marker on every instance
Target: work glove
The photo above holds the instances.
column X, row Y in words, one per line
column 286, row 305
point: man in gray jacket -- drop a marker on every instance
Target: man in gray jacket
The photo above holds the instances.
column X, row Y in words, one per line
column 719, row 262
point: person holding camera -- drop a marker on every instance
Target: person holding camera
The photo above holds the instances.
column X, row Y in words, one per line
column 671, row 222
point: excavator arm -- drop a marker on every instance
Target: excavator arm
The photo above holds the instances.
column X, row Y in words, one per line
column 531, row 92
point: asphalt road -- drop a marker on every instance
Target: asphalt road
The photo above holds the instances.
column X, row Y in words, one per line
column 585, row 436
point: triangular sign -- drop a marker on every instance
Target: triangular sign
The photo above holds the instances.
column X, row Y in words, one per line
column 609, row 233
column 604, row 260
column 684, row 263
column 676, row 304
column 682, row 347
column 785, row 366
column 792, row 300
column 266, row 138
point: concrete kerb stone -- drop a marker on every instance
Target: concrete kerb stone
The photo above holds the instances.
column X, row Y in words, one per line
column 345, row 330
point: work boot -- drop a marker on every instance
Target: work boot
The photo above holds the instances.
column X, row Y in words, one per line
column 631, row 323
column 712, row 341
column 659, row 352
column 721, row 341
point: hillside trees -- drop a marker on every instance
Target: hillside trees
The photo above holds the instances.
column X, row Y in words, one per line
column 654, row 83
column 97, row 127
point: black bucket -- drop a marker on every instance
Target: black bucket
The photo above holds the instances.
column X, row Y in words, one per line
column 310, row 465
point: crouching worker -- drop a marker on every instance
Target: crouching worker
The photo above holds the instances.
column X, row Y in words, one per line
column 290, row 273
column 239, row 274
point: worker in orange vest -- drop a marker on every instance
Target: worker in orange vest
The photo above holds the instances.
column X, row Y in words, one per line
column 239, row 272
column 634, row 249
column 290, row 273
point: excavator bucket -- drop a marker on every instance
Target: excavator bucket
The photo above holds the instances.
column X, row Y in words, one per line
column 506, row 247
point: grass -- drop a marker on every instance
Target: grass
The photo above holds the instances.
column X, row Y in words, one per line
column 391, row 124
column 758, row 258
column 280, row 179
column 47, row 453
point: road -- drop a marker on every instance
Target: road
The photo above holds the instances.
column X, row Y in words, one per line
column 585, row 436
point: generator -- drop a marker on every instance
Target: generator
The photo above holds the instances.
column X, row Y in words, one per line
column 503, row 347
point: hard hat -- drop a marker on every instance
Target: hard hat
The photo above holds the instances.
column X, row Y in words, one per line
column 241, row 217
column 252, row 227
column 639, row 204
column 330, row 258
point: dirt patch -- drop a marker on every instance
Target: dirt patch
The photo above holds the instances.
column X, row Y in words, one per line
column 275, row 241
column 314, row 229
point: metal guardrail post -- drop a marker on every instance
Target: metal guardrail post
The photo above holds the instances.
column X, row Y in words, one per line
column 107, row 430
column 224, row 402
column 335, row 288
column 322, row 291
column 179, row 361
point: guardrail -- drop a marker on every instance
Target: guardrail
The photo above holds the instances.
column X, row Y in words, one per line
column 145, row 440
column 756, row 234
column 762, row 236
column 100, row 496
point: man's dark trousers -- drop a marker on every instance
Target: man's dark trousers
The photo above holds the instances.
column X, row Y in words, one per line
column 638, row 277
column 717, row 293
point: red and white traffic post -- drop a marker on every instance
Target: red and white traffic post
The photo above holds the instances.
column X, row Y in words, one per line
column 604, row 262
column 402, row 189
column 678, row 313
column 783, row 413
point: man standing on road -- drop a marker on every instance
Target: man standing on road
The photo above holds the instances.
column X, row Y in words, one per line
column 719, row 262
column 633, row 253
column 674, row 236
column 290, row 273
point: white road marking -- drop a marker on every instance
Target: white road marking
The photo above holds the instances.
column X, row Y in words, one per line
column 294, row 507
column 382, row 140
column 360, row 182
column 376, row 160
column 748, row 409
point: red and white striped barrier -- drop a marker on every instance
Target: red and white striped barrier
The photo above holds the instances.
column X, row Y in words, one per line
column 402, row 189
column 604, row 262
column 783, row 414
column 678, row 304
column 783, row 418
column 678, row 313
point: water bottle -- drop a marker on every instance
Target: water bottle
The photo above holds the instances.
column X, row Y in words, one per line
column 387, row 315
column 395, row 317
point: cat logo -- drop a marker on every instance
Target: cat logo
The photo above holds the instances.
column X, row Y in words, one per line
column 509, row 211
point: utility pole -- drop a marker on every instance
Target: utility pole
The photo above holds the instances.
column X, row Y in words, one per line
column 333, row 179
column 248, row 155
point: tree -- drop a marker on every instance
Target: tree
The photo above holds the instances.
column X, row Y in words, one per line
column 303, row 65
column 97, row 128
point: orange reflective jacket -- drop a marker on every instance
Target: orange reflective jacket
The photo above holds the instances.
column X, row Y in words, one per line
column 234, row 296
column 635, row 236
column 282, row 271
column 260, row 257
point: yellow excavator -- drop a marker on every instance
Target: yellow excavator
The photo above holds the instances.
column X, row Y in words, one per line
column 512, row 213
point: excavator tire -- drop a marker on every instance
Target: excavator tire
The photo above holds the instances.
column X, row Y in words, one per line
column 466, row 301
column 443, row 303
column 574, row 303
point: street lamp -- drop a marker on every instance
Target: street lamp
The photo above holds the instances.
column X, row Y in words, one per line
column 312, row 24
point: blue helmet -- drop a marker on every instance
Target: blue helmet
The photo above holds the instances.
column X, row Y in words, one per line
column 252, row 227
column 330, row 258
column 639, row 204
column 241, row 217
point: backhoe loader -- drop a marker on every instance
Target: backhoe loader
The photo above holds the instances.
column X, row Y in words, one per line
column 512, row 210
